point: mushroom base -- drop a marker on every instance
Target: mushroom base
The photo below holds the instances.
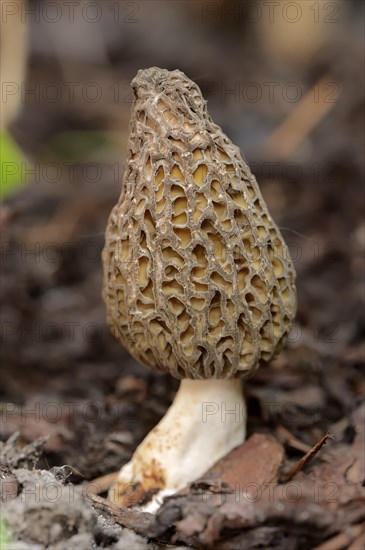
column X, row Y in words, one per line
column 206, row 420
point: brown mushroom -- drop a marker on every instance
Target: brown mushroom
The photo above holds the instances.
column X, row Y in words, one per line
column 198, row 280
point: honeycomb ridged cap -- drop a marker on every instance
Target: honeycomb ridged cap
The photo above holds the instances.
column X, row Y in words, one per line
column 198, row 281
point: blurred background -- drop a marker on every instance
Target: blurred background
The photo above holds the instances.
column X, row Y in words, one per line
column 285, row 81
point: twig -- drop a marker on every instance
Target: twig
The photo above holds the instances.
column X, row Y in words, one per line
column 289, row 439
column 301, row 464
column 100, row 484
column 309, row 112
column 343, row 539
column 140, row 522
column 358, row 543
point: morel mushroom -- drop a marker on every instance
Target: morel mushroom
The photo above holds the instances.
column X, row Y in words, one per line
column 198, row 280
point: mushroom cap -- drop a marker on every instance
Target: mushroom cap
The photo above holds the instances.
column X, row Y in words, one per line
column 198, row 281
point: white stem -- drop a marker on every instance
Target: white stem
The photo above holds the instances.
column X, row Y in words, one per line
column 206, row 420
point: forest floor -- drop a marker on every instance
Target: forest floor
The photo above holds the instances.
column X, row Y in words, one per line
column 75, row 405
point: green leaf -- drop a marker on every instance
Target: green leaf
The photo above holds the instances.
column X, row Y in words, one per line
column 5, row 537
column 13, row 165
